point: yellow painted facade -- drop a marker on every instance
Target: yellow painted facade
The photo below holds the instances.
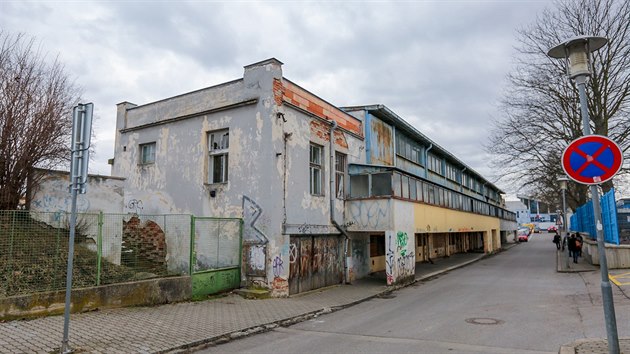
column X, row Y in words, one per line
column 428, row 219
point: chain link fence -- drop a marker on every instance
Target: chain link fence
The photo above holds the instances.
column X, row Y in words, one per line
column 109, row 248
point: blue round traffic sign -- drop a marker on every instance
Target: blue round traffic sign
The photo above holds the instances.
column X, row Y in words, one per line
column 592, row 159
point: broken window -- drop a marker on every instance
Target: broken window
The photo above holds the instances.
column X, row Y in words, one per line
column 218, row 146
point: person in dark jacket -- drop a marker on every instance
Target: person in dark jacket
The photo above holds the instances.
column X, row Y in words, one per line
column 581, row 243
column 557, row 240
column 565, row 239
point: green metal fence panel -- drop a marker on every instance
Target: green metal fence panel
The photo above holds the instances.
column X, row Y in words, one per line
column 216, row 255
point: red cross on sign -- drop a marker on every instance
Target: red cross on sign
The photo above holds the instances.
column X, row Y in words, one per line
column 592, row 159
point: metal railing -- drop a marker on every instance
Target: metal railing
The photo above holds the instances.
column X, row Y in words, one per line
column 109, row 248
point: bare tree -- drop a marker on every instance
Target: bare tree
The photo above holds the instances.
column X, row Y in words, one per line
column 36, row 98
column 541, row 112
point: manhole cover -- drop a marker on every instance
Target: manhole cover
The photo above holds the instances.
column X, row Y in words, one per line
column 483, row 321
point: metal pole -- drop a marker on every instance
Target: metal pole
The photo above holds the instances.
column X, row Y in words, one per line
column 564, row 226
column 65, row 348
column 607, row 297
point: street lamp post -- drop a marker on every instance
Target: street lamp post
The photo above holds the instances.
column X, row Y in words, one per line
column 577, row 52
column 563, row 187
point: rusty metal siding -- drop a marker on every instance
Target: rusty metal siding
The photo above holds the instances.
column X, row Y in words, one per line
column 381, row 143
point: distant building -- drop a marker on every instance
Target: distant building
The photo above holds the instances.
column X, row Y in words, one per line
column 521, row 210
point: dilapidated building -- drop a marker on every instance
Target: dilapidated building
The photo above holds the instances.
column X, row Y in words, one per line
column 326, row 194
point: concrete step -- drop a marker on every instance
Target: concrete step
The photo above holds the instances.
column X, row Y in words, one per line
column 253, row 293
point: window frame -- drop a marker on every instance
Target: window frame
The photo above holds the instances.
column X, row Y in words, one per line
column 316, row 170
column 142, row 148
column 341, row 168
column 218, row 152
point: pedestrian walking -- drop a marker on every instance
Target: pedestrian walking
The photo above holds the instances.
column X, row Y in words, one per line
column 573, row 251
column 565, row 239
column 581, row 241
column 557, row 240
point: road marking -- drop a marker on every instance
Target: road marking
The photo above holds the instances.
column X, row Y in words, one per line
column 620, row 279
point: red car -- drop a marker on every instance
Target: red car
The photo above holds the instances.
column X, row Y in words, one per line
column 552, row 228
column 523, row 235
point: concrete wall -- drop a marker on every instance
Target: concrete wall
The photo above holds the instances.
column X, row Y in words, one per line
column 50, row 194
column 141, row 293
column 50, row 202
column 617, row 256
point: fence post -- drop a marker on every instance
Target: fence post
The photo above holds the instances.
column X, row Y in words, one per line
column 57, row 250
column 192, row 244
column 99, row 248
column 240, row 252
column 11, row 238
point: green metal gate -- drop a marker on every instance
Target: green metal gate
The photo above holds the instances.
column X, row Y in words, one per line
column 215, row 257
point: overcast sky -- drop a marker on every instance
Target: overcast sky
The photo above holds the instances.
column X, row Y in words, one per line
column 440, row 65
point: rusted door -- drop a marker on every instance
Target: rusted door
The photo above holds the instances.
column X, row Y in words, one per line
column 306, row 264
column 315, row 262
column 294, row 265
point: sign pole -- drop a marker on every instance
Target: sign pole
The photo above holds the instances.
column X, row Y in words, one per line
column 79, row 158
column 607, row 297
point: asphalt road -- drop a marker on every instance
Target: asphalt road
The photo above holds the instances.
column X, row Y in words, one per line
column 513, row 302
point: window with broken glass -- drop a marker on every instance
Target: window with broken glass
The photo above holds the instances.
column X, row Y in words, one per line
column 219, row 143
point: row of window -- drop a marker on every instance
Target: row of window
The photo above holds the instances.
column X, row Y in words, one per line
column 218, row 156
column 411, row 150
column 407, row 187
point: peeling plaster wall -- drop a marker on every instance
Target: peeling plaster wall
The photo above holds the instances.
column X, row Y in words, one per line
column 177, row 183
column 369, row 214
column 268, row 174
column 103, row 194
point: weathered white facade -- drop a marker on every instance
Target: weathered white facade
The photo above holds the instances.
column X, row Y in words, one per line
column 267, row 127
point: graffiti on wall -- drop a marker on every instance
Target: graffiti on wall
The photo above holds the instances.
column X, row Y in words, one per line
column 389, row 261
column 401, row 242
column 134, row 205
column 369, row 214
column 278, row 267
column 54, row 204
column 251, row 212
column 398, row 262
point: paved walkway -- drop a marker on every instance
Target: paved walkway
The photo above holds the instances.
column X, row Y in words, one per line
column 180, row 327
column 176, row 327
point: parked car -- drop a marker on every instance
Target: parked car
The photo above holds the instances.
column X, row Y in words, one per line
column 523, row 234
column 552, row 228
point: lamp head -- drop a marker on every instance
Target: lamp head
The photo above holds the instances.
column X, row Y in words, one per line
column 563, row 182
column 577, row 50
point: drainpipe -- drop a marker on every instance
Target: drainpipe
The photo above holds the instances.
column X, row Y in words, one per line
column 332, row 203
column 426, row 161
